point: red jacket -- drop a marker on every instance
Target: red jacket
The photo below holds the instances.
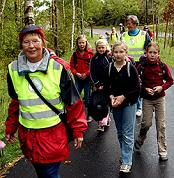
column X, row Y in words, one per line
column 152, row 76
column 80, row 63
column 50, row 144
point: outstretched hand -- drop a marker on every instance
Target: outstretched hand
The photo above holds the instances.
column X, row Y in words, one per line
column 78, row 142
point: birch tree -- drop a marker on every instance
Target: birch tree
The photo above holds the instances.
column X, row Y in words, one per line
column 73, row 25
column 3, row 2
column 82, row 17
column 28, row 13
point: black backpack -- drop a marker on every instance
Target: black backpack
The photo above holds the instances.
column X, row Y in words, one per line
column 98, row 108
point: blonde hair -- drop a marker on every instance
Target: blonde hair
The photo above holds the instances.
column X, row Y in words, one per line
column 120, row 43
column 102, row 41
column 82, row 37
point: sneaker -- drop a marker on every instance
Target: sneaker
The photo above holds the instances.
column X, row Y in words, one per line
column 163, row 158
column 125, row 168
column 89, row 119
column 137, row 146
column 109, row 122
column 139, row 113
column 101, row 128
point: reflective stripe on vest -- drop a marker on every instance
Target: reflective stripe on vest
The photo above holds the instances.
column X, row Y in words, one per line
column 135, row 44
column 34, row 113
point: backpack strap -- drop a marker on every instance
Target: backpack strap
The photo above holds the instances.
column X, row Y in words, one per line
column 61, row 61
column 75, row 59
column 163, row 69
column 109, row 72
column 143, row 63
column 128, row 68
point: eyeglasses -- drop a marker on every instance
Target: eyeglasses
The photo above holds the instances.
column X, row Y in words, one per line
column 34, row 43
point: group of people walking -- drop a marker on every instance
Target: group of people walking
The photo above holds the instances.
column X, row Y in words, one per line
column 131, row 71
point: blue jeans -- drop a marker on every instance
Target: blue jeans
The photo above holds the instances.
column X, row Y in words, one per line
column 139, row 103
column 47, row 170
column 125, row 123
column 84, row 84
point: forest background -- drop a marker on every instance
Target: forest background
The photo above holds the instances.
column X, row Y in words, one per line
column 63, row 21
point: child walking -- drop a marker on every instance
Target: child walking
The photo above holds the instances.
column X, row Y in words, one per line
column 124, row 92
column 156, row 78
column 79, row 64
column 99, row 67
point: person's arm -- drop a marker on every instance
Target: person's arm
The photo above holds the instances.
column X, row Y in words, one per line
column 168, row 78
column 90, row 56
column 93, row 74
column 12, row 121
column 72, row 64
column 147, row 40
column 134, row 84
column 74, row 105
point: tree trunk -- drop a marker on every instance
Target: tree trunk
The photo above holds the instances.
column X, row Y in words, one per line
column 2, row 8
column 156, row 23
column 29, row 16
column 165, row 37
column 63, row 9
column 82, row 17
column 73, row 26
column 91, row 30
column 172, row 43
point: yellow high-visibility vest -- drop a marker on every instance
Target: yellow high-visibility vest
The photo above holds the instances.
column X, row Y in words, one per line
column 135, row 44
column 33, row 112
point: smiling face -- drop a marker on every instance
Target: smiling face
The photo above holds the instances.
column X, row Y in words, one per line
column 119, row 53
column 101, row 48
column 152, row 54
column 32, row 46
column 131, row 25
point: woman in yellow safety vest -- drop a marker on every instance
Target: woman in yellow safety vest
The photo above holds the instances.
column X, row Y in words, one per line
column 42, row 135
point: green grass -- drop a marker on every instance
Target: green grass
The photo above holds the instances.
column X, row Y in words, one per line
column 11, row 152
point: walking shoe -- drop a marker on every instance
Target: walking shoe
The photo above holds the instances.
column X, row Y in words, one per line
column 109, row 122
column 137, row 146
column 101, row 128
column 139, row 113
column 163, row 158
column 125, row 168
column 89, row 119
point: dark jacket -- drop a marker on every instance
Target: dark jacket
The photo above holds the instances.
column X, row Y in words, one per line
column 99, row 68
column 121, row 83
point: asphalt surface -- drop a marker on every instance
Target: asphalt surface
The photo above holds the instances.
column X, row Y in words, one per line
column 99, row 156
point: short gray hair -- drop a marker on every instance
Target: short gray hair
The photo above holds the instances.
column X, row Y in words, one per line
column 134, row 19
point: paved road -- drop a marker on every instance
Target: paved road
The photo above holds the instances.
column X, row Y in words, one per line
column 102, row 32
column 100, row 154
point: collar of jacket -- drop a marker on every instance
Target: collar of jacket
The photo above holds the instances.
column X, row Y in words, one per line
column 134, row 32
column 23, row 68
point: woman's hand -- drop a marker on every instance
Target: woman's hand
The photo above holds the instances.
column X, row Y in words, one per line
column 10, row 138
column 78, row 142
